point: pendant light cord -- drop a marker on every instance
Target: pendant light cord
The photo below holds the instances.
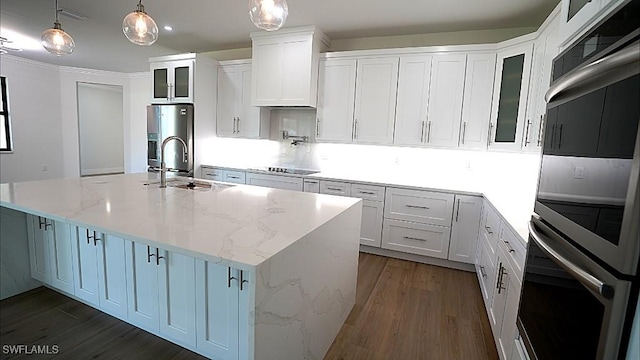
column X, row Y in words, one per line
column 57, row 10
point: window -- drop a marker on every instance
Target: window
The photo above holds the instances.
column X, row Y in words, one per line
column 5, row 123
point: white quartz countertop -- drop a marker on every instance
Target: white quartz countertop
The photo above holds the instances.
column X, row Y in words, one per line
column 513, row 196
column 240, row 226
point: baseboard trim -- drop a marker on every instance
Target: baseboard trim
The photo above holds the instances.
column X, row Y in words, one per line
column 417, row 258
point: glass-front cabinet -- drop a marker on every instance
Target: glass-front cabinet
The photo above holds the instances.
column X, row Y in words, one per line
column 511, row 88
column 172, row 81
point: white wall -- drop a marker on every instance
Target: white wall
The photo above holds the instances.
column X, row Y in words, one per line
column 101, row 128
column 34, row 107
column 136, row 132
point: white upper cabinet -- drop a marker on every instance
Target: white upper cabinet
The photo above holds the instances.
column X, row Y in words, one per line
column 285, row 66
column 337, row 84
column 511, row 86
column 445, row 100
column 476, row 104
column 375, row 102
column 236, row 117
column 413, row 96
column 172, row 81
column 576, row 16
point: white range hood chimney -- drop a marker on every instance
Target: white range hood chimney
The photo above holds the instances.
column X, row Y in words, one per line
column 285, row 66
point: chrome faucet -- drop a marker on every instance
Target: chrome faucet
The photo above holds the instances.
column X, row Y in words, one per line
column 163, row 166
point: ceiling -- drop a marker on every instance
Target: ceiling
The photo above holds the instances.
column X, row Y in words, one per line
column 210, row 25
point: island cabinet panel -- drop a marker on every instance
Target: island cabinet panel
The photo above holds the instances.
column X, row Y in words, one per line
column 142, row 286
column 217, row 310
column 85, row 259
column 177, row 295
column 60, row 257
column 112, row 275
column 39, row 237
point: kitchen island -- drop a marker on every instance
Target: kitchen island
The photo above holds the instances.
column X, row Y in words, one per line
column 229, row 272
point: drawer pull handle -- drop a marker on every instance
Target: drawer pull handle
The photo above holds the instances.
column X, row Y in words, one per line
column 511, row 249
column 229, row 277
column 311, row 182
column 149, row 254
column 242, row 280
column 89, row 236
column 334, row 189
column 233, row 177
column 158, row 257
column 483, row 272
column 413, row 238
column 489, row 230
column 417, row 207
column 367, row 192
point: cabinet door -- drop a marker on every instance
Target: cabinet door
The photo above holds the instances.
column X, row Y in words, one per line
column 508, row 332
column 177, row 293
column 501, row 287
column 445, row 100
column 486, row 271
column 275, row 182
column 142, row 286
column 337, row 87
column 311, row 186
column 510, row 90
column 112, row 275
column 267, row 58
column 85, row 262
column 61, row 257
column 217, row 310
column 376, row 85
column 236, row 177
column 421, row 239
column 335, row 188
column 413, row 96
column 464, row 230
column 228, row 90
column 39, row 241
column 160, row 82
column 478, row 92
column 371, row 230
column 212, row 174
column 249, row 121
column 182, row 81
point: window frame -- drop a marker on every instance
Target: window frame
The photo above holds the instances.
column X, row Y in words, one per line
column 4, row 111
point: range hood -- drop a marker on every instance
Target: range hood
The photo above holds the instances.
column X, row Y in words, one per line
column 284, row 67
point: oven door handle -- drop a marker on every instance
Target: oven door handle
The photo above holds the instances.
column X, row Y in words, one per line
column 581, row 275
column 592, row 76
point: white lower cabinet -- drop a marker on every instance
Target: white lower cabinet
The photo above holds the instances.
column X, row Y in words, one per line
column 416, row 238
column 371, row 230
column 50, row 252
column 464, row 228
column 217, row 310
column 486, row 271
column 100, row 270
column 275, row 181
column 311, row 186
column 161, row 293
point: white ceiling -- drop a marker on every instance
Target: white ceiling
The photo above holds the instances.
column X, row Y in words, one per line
column 210, row 25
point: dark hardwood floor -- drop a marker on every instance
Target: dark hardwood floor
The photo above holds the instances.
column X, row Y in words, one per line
column 403, row 310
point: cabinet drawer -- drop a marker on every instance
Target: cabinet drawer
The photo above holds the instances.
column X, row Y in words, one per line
column 275, row 181
column 515, row 249
column 367, row 192
column 489, row 228
column 311, row 186
column 335, row 188
column 238, row 177
column 212, row 174
column 421, row 239
column 420, row 206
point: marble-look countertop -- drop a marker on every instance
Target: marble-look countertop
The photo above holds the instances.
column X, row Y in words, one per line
column 511, row 195
column 240, row 226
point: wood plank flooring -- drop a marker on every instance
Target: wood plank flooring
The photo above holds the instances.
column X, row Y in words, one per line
column 403, row 311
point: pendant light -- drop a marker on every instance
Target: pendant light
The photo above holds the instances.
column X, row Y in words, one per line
column 139, row 27
column 55, row 40
column 268, row 15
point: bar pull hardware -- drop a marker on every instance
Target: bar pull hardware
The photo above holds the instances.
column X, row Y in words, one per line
column 483, row 272
column 229, row 277
column 95, row 239
column 422, row 132
column 413, row 238
column 489, row 230
column 560, row 137
column 417, row 207
column 242, row 280
column 317, row 127
column 238, row 125
column 355, row 129
column 149, row 254
column 501, row 273
column 40, row 223
column 511, row 249
column 526, row 133
column 333, row 189
column 367, row 192
column 233, row 177
column 464, row 131
column 311, row 182
column 490, row 132
column 540, row 127
column 158, row 257
column 429, row 131
column 89, row 237
column 458, row 211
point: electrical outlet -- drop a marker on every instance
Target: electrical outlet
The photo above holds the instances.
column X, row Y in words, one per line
column 44, row 168
column 578, row 172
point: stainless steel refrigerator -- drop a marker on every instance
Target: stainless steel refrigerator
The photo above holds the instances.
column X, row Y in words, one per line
column 170, row 120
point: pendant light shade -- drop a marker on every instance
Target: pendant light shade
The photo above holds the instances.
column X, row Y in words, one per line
column 139, row 27
column 55, row 40
column 268, row 15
